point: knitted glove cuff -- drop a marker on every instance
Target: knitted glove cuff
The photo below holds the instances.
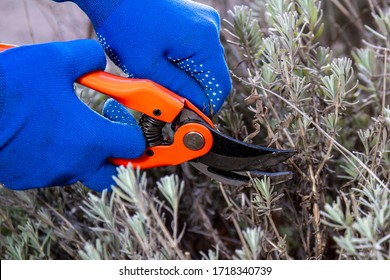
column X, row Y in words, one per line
column 97, row 10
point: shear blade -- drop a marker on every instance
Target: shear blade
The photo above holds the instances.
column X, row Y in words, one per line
column 225, row 177
column 237, row 178
column 229, row 154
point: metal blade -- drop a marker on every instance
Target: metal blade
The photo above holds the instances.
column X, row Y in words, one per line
column 229, row 154
column 225, row 177
column 238, row 178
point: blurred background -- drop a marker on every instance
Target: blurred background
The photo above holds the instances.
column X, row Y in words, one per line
column 37, row 21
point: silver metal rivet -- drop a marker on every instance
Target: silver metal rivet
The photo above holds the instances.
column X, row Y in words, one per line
column 194, row 141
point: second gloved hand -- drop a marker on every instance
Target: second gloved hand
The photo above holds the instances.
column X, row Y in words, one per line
column 172, row 42
column 48, row 137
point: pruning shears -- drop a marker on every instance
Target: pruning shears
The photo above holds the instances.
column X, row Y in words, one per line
column 195, row 138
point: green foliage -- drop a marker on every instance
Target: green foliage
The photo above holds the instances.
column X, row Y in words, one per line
column 364, row 223
column 299, row 84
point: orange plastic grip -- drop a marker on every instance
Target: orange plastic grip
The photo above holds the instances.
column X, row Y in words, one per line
column 141, row 95
column 4, row 47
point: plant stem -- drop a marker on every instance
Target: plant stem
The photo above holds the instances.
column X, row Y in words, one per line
column 235, row 223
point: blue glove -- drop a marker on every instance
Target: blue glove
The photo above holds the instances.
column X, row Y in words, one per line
column 48, row 137
column 172, row 42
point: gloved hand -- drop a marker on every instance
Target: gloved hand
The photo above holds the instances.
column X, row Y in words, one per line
column 172, row 42
column 48, row 137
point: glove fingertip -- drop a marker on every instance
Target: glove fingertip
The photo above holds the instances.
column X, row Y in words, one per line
column 116, row 112
column 199, row 97
column 127, row 141
column 125, row 137
column 102, row 179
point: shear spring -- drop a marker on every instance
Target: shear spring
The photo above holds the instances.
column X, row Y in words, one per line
column 152, row 130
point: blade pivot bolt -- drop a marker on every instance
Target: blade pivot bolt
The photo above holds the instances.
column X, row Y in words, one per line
column 194, row 141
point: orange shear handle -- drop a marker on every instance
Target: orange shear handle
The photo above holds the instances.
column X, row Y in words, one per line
column 157, row 102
